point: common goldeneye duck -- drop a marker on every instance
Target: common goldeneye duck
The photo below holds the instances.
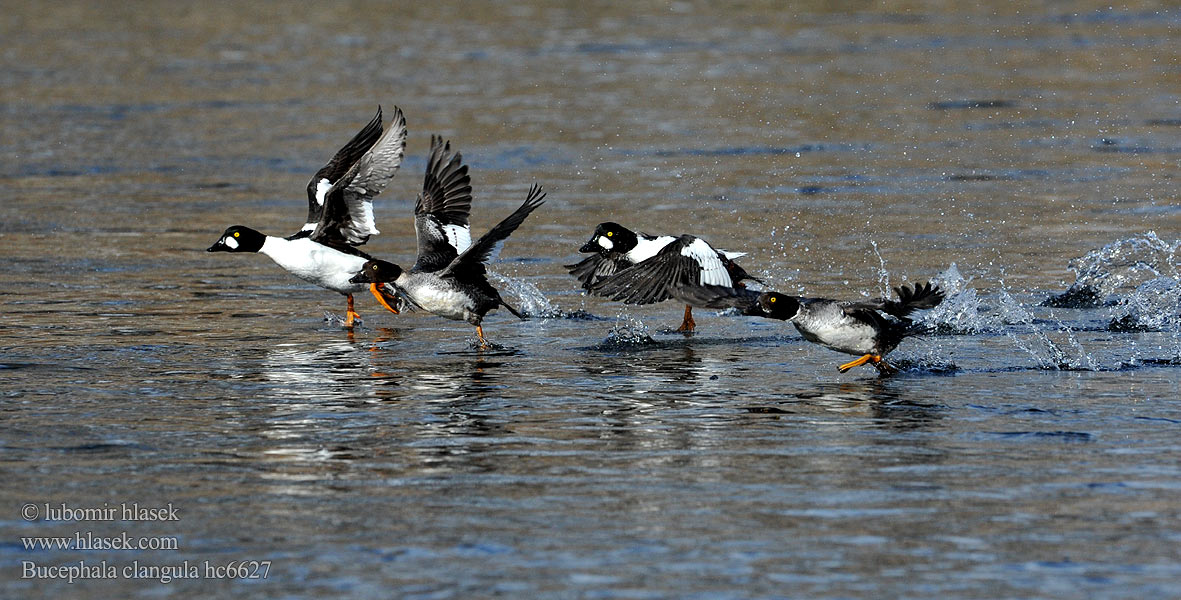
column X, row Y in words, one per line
column 340, row 215
column 869, row 328
column 449, row 277
column 637, row 268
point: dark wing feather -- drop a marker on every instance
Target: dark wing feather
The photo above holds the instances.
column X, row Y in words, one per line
column 446, row 189
column 338, row 166
column 597, row 267
column 472, row 260
column 736, row 272
column 652, row 280
column 348, row 205
column 866, row 313
column 923, row 295
column 441, row 212
column 718, row 296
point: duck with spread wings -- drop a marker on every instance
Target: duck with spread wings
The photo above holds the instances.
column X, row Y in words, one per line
column 340, row 215
column 449, row 277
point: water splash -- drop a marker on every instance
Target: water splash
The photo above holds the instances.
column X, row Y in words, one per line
column 1120, row 266
column 960, row 311
column 628, row 332
column 1049, row 342
column 883, row 274
column 1154, row 305
column 335, row 320
column 533, row 303
column 530, row 301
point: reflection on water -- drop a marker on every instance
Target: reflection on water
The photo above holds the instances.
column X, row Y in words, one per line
column 1020, row 157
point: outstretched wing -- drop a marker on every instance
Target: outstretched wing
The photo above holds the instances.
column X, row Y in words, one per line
column 489, row 244
column 338, row 167
column 441, row 212
column 687, row 261
column 348, row 206
column 923, row 295
column 373, row 173
column 597, row 267
column 718, row 296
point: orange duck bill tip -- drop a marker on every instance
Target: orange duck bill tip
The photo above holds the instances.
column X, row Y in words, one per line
column 381, row 298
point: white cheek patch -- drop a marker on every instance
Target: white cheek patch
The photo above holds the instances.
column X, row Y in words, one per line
column 606, row 243
column 231, row 243
column 322, row 190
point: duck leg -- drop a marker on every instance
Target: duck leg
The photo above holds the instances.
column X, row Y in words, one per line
column 480, row 334
column 381, row 298
column 351, row 315
column 874, row 358
column 687, row 324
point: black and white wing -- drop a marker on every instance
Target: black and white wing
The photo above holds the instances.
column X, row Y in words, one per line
column 348, row 205
column 597, row 267
column 338, row 167
column 687, row 261
column 441, row 213
column 488, row 246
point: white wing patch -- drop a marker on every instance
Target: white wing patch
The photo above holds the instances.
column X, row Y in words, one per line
column 322, row 188
column 459, row 236
column 364, row 221
column 732, row 255
column 713, row 272
column 647, row 248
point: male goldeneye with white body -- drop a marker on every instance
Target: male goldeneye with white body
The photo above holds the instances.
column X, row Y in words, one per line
column 868, row 328
column 449, row 278
column 637, row 268
column 340, row 214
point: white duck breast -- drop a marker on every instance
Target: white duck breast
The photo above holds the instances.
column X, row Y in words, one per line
column 828, row 325
column 315, row 263
column 436, row 296
column 713, row 272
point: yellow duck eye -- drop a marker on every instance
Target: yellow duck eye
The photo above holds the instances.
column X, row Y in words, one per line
column 237, row 233
column 772, row 299
column 374, row 267
column 610, row 233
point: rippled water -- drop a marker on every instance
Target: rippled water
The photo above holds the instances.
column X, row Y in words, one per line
column 1026, row 159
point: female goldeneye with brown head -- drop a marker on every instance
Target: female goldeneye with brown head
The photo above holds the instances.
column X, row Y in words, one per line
column 449, row 277
column 637, row 268
column 868, row 328
column 340, row 214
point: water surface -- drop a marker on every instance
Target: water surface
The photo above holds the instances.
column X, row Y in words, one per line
column 1028, row 449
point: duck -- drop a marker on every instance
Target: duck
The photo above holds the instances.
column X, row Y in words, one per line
column 869, row 329
column 340, row 216
column 638, row 268
column 449, row 276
